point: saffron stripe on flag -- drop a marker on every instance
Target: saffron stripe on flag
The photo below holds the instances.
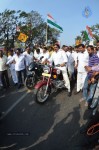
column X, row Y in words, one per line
column 50, row 16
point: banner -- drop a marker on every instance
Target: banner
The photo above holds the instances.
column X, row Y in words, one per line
column 22, row 37
column 78, row 42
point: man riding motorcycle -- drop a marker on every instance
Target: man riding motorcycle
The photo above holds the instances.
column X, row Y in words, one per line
column 58, row 57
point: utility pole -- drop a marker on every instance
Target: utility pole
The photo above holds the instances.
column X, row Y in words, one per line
column 46, row 33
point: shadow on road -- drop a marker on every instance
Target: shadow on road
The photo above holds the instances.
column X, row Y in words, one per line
column 52, row 126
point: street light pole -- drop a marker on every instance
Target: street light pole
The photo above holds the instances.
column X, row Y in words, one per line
column 46, row 33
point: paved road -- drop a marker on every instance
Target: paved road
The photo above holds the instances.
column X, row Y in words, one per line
column 26, row 125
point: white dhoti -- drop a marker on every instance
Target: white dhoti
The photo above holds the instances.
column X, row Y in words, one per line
column 14, row 76
column 65, row 77
column 80, row 80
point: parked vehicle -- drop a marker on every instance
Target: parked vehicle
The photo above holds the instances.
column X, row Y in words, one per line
column 52, row 80
column 34, row 74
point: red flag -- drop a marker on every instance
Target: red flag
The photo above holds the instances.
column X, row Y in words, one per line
column 89, row 31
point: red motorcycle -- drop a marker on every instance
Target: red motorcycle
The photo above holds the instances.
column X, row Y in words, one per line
column 52, row 80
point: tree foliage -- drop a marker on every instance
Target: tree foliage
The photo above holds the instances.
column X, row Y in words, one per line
column 32, row 24
column 95, row 32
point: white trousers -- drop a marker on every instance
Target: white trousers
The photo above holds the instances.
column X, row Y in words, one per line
column 80, row 80
column 14, row 75
column 65, row 77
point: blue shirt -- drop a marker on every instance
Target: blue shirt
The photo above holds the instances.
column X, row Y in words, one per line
column 93, row 60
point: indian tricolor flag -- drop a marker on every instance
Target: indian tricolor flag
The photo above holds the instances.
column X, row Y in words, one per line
column 89, row 31
column 51, row 21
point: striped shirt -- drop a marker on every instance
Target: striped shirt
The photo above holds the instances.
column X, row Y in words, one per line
column 95, row 68
column 93, row 60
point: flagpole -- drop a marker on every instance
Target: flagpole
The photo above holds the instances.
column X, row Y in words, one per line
column 46, row 33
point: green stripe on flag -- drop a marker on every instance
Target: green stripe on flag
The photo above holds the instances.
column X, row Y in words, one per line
column 54, row 24
column 85, row 36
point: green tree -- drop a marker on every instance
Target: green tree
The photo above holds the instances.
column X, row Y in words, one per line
column 95, row 31
column 8, row 21
column 31, row 24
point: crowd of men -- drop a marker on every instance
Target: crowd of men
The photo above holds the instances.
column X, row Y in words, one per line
column 77, row 64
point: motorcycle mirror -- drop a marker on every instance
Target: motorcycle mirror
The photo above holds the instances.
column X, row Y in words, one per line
column 41, row 57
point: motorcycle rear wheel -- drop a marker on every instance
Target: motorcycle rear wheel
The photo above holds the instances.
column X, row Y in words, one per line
column 40, row 96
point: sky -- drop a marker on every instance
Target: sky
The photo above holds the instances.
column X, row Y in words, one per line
column 67, row 13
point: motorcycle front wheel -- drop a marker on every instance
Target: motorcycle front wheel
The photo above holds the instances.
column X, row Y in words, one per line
column 30, row 82
column 41, row 95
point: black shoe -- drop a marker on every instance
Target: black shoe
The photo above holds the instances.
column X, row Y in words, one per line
column 15, row 84
column 4, row 89
column 75, row 93
column 69, row 94
column 0, row 114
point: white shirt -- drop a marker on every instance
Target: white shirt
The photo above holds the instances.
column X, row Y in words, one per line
column 98, row 53
column 70, row 62
column 37, row 56
column 29, row 57
column 41, row 50
column 3, row 62
column 68, row 53
column 45, row 56
column 83, row 59
column 19, row 62
column 11, row 65
column 75, row 56
column 58, row 57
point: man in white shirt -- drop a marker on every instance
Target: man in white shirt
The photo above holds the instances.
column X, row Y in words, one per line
column 3, row 70
column 29, row 55
column 45, row 55
column 83, row 58
column 75, row 54
column 59, row 57
column 20, row 66
column 70, row 62
column 12, row 68
column 37, row 54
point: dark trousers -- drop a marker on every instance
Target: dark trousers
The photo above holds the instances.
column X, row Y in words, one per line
column 4, row 78
column 20, row 74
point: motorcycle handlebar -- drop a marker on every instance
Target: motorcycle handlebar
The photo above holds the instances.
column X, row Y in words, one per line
column 48, row 65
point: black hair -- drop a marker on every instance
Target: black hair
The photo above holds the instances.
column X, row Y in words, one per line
column 18, row 49
column 81, row 45
column 92, row 48
column 11, row 50
column 45, row 48
column 57, row 45
column 37, row 50
column 63, row 46
column 76, row 46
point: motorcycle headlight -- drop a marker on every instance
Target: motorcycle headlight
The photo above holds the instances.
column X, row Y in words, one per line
column 46, row 69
